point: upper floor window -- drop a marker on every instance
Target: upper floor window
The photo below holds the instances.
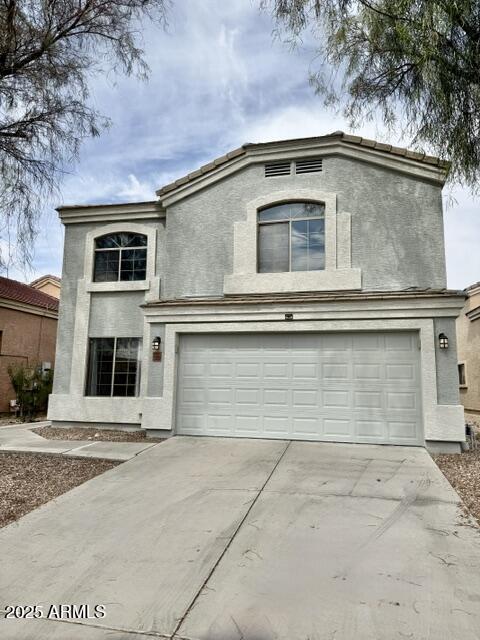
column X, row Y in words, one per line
column 291, row 237
column 120, row 256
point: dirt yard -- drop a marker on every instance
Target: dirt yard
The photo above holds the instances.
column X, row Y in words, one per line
column 103, row 435
column 28, row 480
column 463, row 472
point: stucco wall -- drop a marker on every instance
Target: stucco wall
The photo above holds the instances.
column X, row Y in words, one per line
column 72, row 269
column 397, row 226
column 155, row 370
column 446, row 362
column 116, row 314
column 51, row 289
column 468, row 336
column 27, row 339
column 112, row 311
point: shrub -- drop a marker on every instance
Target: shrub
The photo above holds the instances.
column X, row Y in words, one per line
column 32, row 386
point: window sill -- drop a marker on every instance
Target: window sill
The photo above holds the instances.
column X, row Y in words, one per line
column 463, row 386
column 122, row 285
column 291, row 282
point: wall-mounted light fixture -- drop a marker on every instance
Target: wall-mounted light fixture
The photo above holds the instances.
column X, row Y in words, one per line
column 442, row 341
column 156, row 346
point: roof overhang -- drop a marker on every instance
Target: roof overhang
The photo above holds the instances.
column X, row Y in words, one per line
column 422, row 303
column 111, row 212
column 473, row 314
column 24, row 307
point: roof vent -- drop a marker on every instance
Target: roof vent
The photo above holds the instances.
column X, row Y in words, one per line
column 277, row 169
column 309, row 165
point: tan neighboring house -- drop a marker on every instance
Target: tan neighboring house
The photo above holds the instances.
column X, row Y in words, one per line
column 48, row 284
column 28, row 331
column 468, row 339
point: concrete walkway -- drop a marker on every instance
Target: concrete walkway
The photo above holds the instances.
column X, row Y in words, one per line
column 220, row 539
column 20, row 439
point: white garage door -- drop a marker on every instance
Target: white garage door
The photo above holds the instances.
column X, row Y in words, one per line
column 350, row 387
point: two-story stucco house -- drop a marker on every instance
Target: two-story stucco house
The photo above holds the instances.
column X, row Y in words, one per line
column 291, row 289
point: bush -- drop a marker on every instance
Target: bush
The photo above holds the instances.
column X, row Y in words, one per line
column 32, row 386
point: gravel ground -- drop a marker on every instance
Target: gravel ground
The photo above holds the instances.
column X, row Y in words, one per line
column 29, row 480
column 104, row 435
column 462, row 470
column 6, row 421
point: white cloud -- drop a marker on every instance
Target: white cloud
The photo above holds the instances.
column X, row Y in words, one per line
column 462, row 239
column 218, row 79
column 136, row 190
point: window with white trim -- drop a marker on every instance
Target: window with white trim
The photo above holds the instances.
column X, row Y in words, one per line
column 291, row 237
column 114, row 367
column 120, row 256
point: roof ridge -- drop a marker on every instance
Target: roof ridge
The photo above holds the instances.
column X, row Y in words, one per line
column 44, row 277
column 347, row 138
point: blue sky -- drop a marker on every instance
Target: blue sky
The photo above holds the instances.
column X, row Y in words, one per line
column 218, row 79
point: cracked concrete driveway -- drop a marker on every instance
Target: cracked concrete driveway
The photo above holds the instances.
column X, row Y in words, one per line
column 221, row 539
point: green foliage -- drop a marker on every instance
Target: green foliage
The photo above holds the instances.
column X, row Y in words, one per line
column 49, row 52
column 32, row 387
column 417, row 62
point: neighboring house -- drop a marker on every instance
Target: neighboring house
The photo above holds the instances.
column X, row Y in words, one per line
column 291, row 289
column 48, row 284
column 28, row 330
column 468, row 338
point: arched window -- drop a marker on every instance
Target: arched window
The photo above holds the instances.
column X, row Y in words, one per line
column 291, row 237
column 120, row 256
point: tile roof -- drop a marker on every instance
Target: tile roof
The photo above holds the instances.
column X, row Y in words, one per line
column 336, row 135
column 473, row 286
column 47, row 276
column 314, row 296
column 21, row 292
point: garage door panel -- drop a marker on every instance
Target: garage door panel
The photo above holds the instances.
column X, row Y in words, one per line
column 302, row 398
column 337, row 429
column 335, row 371
column 401, row 400
column 347, row 387
column 400, row 342
column 336, row 399
column 400, row 372
column 276, row 397
column 247, row 424
column 276, row 370
column 220, row 422
column 369, row 371
column 368, row 400
column 370, row 429
column 402, row 430
column 306, row 426
column 220, row 370
column 247, row 397
column 279, row 425
column 366, row 342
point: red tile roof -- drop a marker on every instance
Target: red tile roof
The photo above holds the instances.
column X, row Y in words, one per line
column 21, row 292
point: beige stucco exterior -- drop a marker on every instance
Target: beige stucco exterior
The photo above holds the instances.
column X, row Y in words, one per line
column 49, row 285
column 468, row 345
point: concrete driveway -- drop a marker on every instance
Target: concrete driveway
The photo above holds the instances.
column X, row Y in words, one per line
column 221, row 539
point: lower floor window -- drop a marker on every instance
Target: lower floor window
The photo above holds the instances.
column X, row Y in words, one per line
column 114, row 367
